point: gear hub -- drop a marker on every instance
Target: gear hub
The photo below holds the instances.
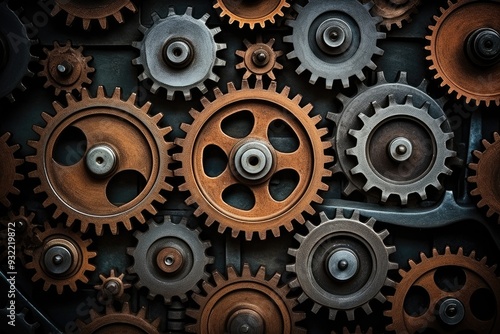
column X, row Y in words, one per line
column 259, row 59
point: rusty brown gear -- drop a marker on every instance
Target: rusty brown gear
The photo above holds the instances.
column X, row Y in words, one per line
column 394, row 12
column 245, row 301
column 449, row 280
column 308, row 160
column 90, row 11
column 65, row 68
column 451, row 60
column 251, row 12
column 123, row 321
column 487, row 170
column 259, row 59
column 62, row 259
column 111, row 287
column 79, row 190
column 8, row 169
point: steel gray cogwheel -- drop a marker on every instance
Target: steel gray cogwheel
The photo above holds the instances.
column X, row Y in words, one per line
column 341, row 264
column 334, row 40
column 22, row 325
column 178, row 53
column 8, row 169
column 170, row 259
column 392, row 150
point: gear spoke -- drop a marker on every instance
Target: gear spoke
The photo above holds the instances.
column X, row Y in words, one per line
column 297, row 160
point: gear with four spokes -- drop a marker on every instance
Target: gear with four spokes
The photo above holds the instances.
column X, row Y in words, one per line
column 394, row 12
column 112, row 287
column 259, row 59
column 251, row 12
column 8, row 169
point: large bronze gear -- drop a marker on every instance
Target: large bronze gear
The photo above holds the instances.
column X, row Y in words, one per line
column 62, row 259
column 90, row 11
column 394, row 12
column 170, row 259
column 259, row 59
column 138, row 146
column 251, row 13
column 465, row 50
column 342, row 264
column 487, row 170
column 264, row 106
column 65, row 68
column 8, row 169
column 245, row 303
column 111, row 287
column 453, row 288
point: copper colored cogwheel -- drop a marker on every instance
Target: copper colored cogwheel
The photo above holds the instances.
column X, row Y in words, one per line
column 486, row 179
column 246, row 303
column 251, row 12
column 259, row 59
column 394, row 12
column 121, row 141
column 465, row 50
column 62, row 259
column 8, row 166
column 253, row 161
column 111, row 287
column 65, row 68
column 446, row 293
column 92, row 10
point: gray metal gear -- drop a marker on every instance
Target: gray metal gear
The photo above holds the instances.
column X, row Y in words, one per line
column 178, row 53
column 170, row 259
column 401, row 149
column 334, row 40
column 342, row 264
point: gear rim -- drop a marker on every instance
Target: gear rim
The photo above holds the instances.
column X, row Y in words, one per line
column 248, row 19
column 8, row 170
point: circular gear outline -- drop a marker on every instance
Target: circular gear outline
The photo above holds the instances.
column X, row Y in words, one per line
column 106, row 297
column 251, row 21
column 9, row 166
column 394, row 15
column 252, row 69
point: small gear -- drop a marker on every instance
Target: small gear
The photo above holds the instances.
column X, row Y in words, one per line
column 65, row 68
column 486, row 178
column 251, row 12
column 446, row 293
column 394, row 12
column 62, row 259
column 111, row 288
column 170, row 259
column 123, row 321
column 90, row 11
column 393, row 147
column 334, row 40
column 8, row 169
column 178, row 53
column 465, row 50
column 22, row 326
column 342, row 264
column 137, row 150
column 259, row 59
column 246, row 303
column 252, row 160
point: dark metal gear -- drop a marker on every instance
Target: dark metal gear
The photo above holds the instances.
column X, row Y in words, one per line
column 334, row 40
column 342, row 264
column 253, row 159
column 465, row 50
column 178, row 53
column 446, row 293
column 251, row 12
column 486, row 179
column 65, row 68
column 62, row 259
column 22, row 326
column 394, row 12
column 245, row 304
column 259, row 59
column 401, row 150
column 170, row 259
column 8, row 169
column 138, row 150
column 111, row 288
column 90, row 11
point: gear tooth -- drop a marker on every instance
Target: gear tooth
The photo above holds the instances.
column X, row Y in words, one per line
column 218, row 92
column 313, row 78
column 315, row 308
column 332, row 314
column 222, row 228
column 294, row 284
column 187, row 93
column 366, row 307
column 345, row 82
column 276, row 233
column 299, row 237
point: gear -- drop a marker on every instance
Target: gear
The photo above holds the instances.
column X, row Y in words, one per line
column 394, row 12
column 355, row 264
column 486, row 179
column 334, row 40
column 259, row 59
column 170, row 259
column 62, row 259
column 349, row 118
column 393, row 147
column 465, row 50
column 8, row 166
column 66, row 68
column 244, row 303
column 22, row 326
column 123, row 321
column 251, row 12
column 254, row 163
column 112, row 288
column 188, row 53
column 89, row 11
column 136, row 151
column 449, row 292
